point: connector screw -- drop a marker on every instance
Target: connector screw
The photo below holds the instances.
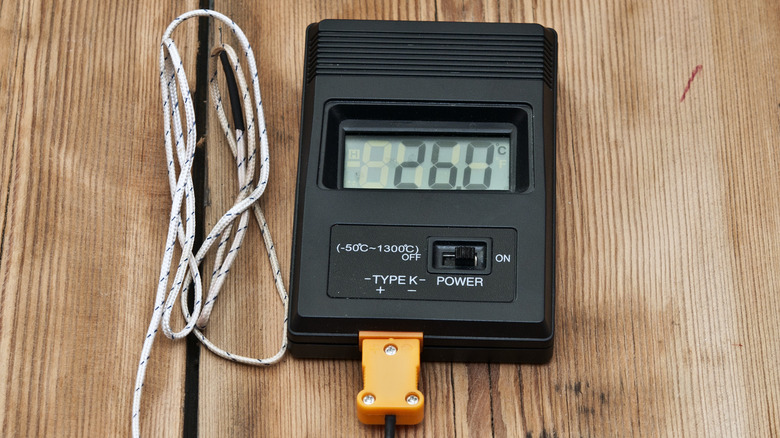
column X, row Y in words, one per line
column 390, row 350
column 412, row 399
column 369, row 399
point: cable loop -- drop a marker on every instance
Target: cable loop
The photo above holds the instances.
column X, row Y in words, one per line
column 181, row 230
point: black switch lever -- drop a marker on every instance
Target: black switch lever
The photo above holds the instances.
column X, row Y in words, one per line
column 465, row 256
column 459, row 255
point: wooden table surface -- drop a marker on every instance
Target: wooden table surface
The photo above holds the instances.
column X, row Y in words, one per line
column 668, row 232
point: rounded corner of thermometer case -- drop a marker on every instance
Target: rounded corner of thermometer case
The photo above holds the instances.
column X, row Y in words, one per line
column 325, row 326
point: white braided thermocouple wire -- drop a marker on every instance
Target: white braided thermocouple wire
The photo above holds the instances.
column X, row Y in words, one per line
column 242, row 145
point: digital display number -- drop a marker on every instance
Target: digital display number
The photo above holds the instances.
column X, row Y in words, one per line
column 426, row 162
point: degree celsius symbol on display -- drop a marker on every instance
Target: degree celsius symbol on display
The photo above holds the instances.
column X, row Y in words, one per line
column 445, row 163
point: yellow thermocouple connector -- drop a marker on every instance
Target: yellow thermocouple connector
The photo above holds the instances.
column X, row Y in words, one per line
column 391, row 366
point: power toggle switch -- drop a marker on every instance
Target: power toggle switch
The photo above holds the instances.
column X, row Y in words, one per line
column 465, row 257
column 471, row 256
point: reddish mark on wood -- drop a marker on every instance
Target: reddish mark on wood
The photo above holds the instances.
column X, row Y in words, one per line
column 737, row 345
column 688, row 86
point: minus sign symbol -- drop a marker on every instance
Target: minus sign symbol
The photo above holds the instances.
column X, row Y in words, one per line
column 411, row 290
column 367, row 279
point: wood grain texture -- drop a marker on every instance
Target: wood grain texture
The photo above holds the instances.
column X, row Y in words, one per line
column 280, row 401
column 84, row 192
column 668, row 268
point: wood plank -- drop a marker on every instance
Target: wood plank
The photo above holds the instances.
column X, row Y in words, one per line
column 9, row 23
column 665, row 259
column 85, row 181
column 296, row 397
column 665, row 280
column 476, row 404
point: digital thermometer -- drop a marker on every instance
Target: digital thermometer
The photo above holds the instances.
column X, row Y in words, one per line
column 426, row 190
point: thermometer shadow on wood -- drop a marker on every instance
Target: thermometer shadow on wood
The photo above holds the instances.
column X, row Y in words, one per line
column 426, row 191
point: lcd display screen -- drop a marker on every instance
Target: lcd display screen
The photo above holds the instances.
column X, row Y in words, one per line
column 417, row 162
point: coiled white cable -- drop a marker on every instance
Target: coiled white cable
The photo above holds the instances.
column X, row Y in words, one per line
column 242, row 145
